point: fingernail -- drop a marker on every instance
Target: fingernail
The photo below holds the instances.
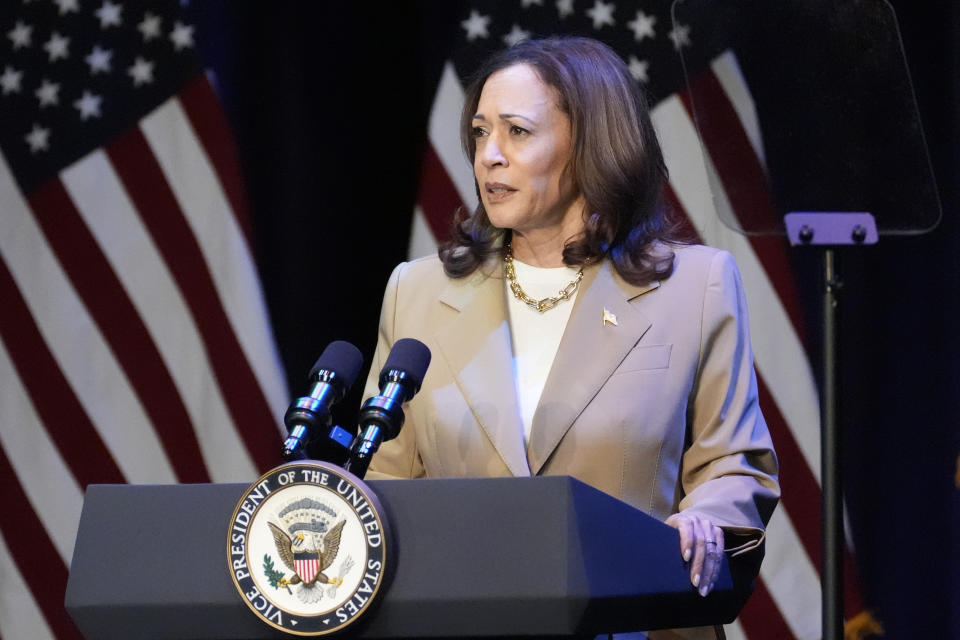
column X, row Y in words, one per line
column 696, row 580
column 703, row 590
column 687, row 554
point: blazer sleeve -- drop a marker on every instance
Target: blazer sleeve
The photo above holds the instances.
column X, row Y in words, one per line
column 397, row 458
column 729, row 469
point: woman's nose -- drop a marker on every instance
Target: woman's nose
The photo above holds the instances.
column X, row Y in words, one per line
column 490, row 153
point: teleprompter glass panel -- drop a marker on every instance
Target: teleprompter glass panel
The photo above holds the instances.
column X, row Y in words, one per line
column 804, row 105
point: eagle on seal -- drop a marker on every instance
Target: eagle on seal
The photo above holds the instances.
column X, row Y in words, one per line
column 307, row 559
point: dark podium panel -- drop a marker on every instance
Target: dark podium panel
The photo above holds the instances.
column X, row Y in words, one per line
column 474, row 558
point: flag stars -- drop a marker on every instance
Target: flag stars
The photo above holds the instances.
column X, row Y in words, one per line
column 680, row 35
column 564, row 8
column 601, row 13
column 99, row 60
column 109, row 14
column 20, row 35
column 642, row 26
column 476, row 26
column 38, row 138
column 67, row 6
column 10, row 80
column 515, row 36
column 48, row 94
column 57, row 47
column 88, row 105
column 638, row 69
column 149, row 27
column 181, row 36
column 141, row 71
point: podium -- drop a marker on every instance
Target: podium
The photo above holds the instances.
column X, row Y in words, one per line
column 492, row 557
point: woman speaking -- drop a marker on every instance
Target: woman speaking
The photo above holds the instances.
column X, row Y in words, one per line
column 572, row 331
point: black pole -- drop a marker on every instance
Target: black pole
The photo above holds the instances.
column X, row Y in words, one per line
column 831, row 575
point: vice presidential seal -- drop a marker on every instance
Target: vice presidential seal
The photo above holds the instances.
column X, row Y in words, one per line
column 307, row 548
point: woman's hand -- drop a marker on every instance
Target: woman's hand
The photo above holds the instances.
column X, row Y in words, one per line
column 701, row 544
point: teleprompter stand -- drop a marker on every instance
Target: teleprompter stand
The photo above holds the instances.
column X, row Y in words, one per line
column 474, row 558
column 830, row 231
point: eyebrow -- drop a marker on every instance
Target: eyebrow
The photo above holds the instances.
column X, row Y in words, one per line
column 504, row 116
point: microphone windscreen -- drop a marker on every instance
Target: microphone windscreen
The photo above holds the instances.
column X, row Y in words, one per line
column 410, row 356
column 341, row 358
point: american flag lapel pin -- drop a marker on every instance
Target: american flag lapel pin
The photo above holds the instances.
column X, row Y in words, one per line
column 608, row 318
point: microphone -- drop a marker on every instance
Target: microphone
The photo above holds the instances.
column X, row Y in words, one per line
column 332, row 375
column 382, row 416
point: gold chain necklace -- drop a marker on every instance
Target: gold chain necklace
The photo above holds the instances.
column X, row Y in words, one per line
column 540, row 305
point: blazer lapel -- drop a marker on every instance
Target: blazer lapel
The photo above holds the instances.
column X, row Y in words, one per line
column 476, row 344
column 590, row 351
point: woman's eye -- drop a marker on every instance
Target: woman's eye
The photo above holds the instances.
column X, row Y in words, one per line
column 517, row 131
column 478, row 132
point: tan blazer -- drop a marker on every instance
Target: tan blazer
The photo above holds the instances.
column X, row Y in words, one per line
column 659, row 410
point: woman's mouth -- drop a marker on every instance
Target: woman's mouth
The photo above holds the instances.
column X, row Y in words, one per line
column 497, row 191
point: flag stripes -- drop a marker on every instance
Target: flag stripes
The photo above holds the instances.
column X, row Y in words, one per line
column 743, row 178
column 726, row 72
column 182, row 281
column 778, row 352
column 77, row 344
column 70, row 428
column 796, row 480
column 790, row 577
column 307, row 569
column 721, row 128
column 134, row 342
column 760, row 617
column 209, row 124
column 54, row 501
column 444, row 134
column 45, row 573
column 17, row 606
column 112, row 217
column 734, row 631
column 440, row 198
column 422, row 240
column 196, row 186
column 122, row 328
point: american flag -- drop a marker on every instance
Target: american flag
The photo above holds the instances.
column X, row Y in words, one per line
column 786, row 600
column 134, row 342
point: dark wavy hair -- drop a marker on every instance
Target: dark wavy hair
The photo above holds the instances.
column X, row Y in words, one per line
column 616, row 162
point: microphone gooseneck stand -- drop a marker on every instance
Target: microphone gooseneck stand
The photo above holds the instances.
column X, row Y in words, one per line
column 381, row 416
column 331, row 377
